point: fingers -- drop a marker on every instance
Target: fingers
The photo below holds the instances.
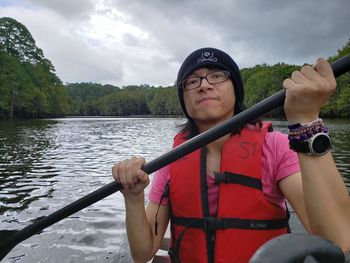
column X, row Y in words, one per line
column 318, row 72
column 308, row 90
column 129, row 172
column 317, row 77
column 301, row 76
column 324, row 68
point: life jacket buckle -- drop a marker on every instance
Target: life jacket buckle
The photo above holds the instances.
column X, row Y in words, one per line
column 220, row 177
column 211, row 224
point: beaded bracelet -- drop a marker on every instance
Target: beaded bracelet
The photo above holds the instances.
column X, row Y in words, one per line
column 305, row 131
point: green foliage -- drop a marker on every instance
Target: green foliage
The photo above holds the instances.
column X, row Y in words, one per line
column 339, row 104
column 30, row 88
column 163, row 101
column 263, row 81
column 84, row 97
column 28, row 85
column 90, row 99
column 16, row 41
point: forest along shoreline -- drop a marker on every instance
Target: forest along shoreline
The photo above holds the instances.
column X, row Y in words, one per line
column 30, row 87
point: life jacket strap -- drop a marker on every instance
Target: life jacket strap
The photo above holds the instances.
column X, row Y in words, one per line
column 212, row 223
column 164, row 194
column 232, row 178
column 173, row 255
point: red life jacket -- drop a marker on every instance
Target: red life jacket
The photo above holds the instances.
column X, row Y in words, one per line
column 245, row 218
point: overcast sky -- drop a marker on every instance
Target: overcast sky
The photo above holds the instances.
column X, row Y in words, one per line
column 125, row 42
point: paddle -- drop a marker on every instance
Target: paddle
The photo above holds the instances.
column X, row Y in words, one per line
column 10, row 238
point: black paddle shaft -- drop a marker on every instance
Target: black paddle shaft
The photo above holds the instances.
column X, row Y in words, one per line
column 339, row 67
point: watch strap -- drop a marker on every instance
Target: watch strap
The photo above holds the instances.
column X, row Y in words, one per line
column 299, row 146
column 318, row 144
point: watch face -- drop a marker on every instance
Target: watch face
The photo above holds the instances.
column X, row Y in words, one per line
column 321, row 143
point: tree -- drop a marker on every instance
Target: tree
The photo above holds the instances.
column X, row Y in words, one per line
column 30, row 88
column 16, row 40
column 28, row 83
column 338, row 105
column 263, row 81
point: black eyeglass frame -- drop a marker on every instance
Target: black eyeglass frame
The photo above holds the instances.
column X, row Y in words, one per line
column 226, row 73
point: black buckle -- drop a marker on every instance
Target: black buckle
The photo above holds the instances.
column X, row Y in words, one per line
column 211, row 223
column 220, row 177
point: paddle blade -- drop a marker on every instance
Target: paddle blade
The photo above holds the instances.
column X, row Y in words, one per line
column 5, row 246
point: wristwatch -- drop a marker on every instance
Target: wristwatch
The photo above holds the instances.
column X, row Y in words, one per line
column 318, row 144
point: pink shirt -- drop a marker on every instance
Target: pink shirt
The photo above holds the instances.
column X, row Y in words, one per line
column 278, row 162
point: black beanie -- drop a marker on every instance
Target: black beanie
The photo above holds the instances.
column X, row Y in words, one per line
column 210, row 57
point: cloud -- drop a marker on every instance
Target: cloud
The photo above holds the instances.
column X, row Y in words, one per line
column 72, row 10
column 74, row 56
column 124, row 42
column 253, row 31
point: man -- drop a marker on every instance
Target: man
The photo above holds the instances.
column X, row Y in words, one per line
column 227, row 199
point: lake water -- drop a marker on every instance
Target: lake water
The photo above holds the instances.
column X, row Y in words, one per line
column 47, row 164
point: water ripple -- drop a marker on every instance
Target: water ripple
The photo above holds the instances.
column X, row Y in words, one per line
column 47, row 164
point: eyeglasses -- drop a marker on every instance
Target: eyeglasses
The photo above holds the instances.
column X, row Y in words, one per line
column 215, row 77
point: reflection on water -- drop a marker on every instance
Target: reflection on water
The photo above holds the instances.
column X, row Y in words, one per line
column 47, row 164
column 25, row 176
column 341, row 149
